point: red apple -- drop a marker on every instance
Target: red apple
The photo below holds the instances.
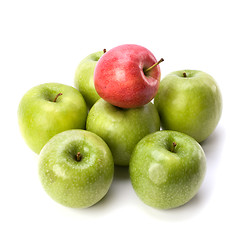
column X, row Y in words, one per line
column 126, row 76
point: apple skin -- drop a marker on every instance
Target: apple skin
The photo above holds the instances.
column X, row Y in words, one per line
column 191, row 104
column 72, row 183
column 40, row 118
column 164, row 179
column 122, row 128
column 83, row 80
column 119, row 76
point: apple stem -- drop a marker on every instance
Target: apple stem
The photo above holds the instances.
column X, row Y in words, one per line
column 173, row 147
column 104, row 50
column 79, row 157
column 55, row 99
column 184, row 74
column 154, row 65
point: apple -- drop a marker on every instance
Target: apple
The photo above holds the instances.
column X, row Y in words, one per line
column 76, row 168
column 189, row 101
column 167, row 169
column 127, row 76
column 48, row 109
column 122, row 128
column 83, row 80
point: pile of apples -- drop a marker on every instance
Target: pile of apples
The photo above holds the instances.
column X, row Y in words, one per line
column 112, row 117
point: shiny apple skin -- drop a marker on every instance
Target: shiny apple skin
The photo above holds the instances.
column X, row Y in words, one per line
column 165, row 177
column 72, row 183
column 40, row 118
column 83, row 80
column 119, row 76
column 191, row 104
column 122, row 128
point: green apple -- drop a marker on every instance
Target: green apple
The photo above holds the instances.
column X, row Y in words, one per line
column 83, row 80
column 167, row 169
column 76, row 168
column 122, row 128
column 48, row 109
column 189, row 101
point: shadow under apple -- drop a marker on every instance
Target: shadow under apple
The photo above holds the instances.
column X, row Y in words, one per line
column 213, row 148
column 121, row 173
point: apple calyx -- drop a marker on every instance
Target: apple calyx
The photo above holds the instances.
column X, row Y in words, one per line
column 184, row 74
column 78, row 157
column 173, row 147
column 154, row 65
column 55, row 99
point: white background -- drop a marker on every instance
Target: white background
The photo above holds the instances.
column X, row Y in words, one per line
column 43, row 41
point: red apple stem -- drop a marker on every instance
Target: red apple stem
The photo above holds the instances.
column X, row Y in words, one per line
column 184, row 74
column 78, row 157
column 154, row 65
column 55, row 99
column 173, row 147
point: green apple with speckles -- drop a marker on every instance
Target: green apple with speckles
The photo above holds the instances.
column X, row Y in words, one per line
column 189, row 101
column 83, row 80
column 122, row 128
column 76, row 168
column 48, row 109
column 167, row 169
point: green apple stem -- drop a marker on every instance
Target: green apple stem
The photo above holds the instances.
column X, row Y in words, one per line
column 104, row 50
column 173, row 147
column 78, row 157
column 154, row 65
column 55, row 99
column 184, row 74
